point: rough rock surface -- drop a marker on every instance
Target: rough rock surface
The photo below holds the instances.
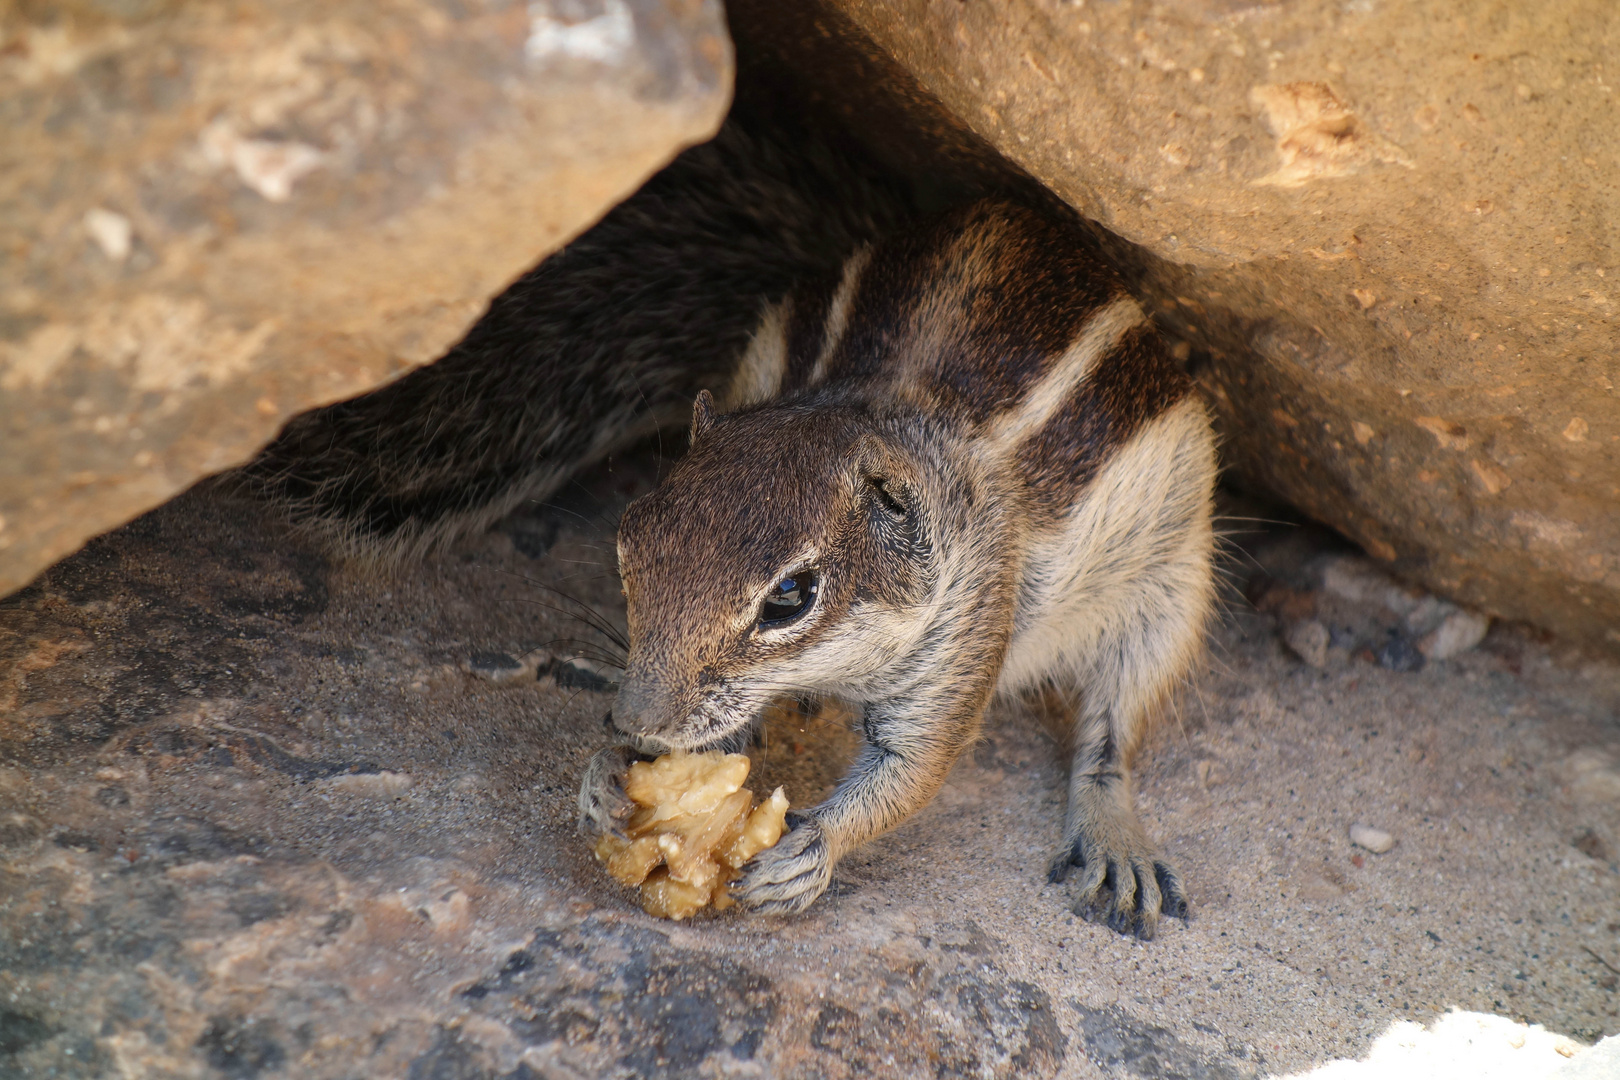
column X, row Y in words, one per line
column 259, row 819
column 215, row 215
column 1388, row 233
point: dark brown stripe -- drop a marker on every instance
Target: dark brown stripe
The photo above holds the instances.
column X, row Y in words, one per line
column 1013, row 288
column 1135, row 382
column 807, row 330
column 1026, row 307
column 897, row 277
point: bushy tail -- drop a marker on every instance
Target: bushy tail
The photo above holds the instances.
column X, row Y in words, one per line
column 593, row 349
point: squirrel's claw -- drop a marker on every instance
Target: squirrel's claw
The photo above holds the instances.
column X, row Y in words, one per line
column 787, row 878
column 1126, row 887
column 603, row 805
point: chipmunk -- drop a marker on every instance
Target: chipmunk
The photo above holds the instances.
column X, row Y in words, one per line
column 934, row 460
column 966, row 469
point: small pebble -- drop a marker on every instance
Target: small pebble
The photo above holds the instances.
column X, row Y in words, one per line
column 1591, row 775
column 1358, row 581
column 1398, row 654
column 1374, row 840
column 1309, row 641
column 1593, row 846
column 1429, row 613
column 1457, row 633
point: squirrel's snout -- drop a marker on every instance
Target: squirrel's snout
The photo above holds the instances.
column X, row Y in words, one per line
column 632, row 728
column 636, row 712
column 645, row 738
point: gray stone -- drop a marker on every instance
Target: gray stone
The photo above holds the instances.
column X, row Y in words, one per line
column 1309, row 640
column 1359, row 581
column 1427, row 614
column 1116, row 1040
column 1457, row 633
column 1399, row 654
column 216, row 216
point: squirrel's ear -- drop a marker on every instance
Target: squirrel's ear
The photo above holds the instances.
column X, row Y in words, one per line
column 702, row 416
column 884, row 472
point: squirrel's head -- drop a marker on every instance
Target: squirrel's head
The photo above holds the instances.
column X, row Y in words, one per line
column 787, row 552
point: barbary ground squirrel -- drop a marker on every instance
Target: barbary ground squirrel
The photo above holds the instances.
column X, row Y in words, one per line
column 934, row 460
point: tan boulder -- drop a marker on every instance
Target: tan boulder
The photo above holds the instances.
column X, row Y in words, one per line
column 214, row 216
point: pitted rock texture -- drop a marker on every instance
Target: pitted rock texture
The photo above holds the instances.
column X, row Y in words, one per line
column 1387, row 234
column 216, row 215
column 259, row 818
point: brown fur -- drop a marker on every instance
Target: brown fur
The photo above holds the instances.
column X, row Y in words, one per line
column 1001, row 484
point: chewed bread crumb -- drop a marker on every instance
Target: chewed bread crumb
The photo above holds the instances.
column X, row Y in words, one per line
column 694, row 827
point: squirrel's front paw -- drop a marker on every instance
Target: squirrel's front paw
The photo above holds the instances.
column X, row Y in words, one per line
column 1125, row 883
column 787, row 878
column 603, row 805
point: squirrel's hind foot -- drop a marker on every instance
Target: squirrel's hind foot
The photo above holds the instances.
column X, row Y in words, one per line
column 1125, row 884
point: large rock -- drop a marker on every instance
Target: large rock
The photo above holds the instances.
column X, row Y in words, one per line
column 1387, row 232
column 215, row 215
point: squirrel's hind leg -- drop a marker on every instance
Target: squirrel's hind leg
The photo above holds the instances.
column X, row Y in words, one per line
column 1125, row 881
column 1139, row 611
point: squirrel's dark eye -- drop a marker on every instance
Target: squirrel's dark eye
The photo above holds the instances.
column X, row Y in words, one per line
column 789, row 598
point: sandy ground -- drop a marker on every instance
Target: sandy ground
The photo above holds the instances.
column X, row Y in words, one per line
column 264, row 816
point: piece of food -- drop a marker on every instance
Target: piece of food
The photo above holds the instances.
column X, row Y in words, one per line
column 694, row 827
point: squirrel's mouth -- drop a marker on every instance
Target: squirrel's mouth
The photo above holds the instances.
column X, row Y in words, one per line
column 712, row 725
column 728, row 731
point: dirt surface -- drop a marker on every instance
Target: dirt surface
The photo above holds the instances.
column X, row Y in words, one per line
column 261, row 817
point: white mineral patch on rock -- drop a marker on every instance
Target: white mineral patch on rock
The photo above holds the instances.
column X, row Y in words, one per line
column 1462, row 1046
column 383, row 784
column 604, row 39
column 111, row 231
column 1318, row 136
column 269, row 166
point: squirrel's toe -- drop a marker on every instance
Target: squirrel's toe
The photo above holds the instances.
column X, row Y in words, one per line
column 787, row 878
column 1125, row 890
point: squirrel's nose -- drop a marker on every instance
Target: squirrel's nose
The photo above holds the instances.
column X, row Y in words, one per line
column 638, row 736
column 612, row 723
column 632, row 713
